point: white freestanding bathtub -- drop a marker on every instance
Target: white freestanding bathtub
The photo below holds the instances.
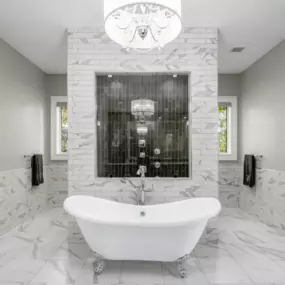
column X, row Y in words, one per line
column 117, row 231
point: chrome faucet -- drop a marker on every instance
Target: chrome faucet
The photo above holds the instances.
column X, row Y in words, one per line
column 141, row 190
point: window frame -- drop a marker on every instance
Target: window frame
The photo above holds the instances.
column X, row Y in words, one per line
column 231, row 155
column 55, row 129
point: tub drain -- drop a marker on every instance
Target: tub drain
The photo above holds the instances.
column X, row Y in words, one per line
column 142, row 214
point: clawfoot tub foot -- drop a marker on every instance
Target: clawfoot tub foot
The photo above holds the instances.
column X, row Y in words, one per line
column 181, row 269
column 99, row 264
column 181, row 265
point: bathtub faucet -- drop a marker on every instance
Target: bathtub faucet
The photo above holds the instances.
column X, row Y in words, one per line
column 141, row 190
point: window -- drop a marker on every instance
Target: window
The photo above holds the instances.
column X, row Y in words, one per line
column 227, row 111
column 59, row 128
column 142, row 120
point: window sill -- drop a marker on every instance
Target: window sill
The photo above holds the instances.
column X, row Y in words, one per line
column 59, row 157
column 227, row 157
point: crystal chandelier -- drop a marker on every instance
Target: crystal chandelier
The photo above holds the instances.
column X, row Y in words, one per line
column 142, row 108
column 144, row 25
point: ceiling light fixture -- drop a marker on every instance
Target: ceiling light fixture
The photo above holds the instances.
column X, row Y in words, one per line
column 142, row 25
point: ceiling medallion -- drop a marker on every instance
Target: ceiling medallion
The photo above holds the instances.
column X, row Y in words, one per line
column 142, row 26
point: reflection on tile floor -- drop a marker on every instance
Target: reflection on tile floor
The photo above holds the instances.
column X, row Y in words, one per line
column 237, row 249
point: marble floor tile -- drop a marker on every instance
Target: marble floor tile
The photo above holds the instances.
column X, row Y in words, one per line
column 111, row 274
column 259, row 267
column 18, row 270
column 148, row 272
column 69, row 251
column 62, row 271
column 236, row 250
column 194, row 274
column 219, row 266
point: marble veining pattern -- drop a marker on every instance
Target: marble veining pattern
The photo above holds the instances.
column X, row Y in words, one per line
column 57, row 184
column 230, row 184
column 18, row 199
column 230, row 181
column 194, row 52
column 236, row 249
column 266, row 200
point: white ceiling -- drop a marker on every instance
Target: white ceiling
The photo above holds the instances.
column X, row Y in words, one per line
column 36, row 28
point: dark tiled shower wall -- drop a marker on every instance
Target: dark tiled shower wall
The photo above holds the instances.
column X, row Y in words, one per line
column 115, row 120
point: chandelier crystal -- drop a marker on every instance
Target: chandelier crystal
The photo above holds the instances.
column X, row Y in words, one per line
column 144, row 25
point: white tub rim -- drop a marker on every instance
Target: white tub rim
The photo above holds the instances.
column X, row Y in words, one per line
column 140, row 222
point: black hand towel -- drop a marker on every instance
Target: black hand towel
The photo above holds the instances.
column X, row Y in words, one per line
column 37, row 170
column 249, row 170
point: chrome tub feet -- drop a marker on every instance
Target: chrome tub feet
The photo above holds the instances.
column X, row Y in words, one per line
column 99, row 264
column 181, row 265
column 181, row 269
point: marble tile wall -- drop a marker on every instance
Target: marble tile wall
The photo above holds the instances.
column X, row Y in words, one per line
column 266, row 200
column 230, row 181
column 57, row 184
column 90, row 51
column 18, row 199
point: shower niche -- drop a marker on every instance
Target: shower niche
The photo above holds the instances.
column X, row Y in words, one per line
column 142, row 119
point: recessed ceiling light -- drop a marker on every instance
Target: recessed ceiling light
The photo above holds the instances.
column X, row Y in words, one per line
column 110, row 75
column 237, row 49
column 174, row 75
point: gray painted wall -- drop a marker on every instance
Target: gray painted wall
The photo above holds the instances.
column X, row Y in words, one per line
column 229, row 85
column 56, row 85
column 23, row 109
column 262, row 109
